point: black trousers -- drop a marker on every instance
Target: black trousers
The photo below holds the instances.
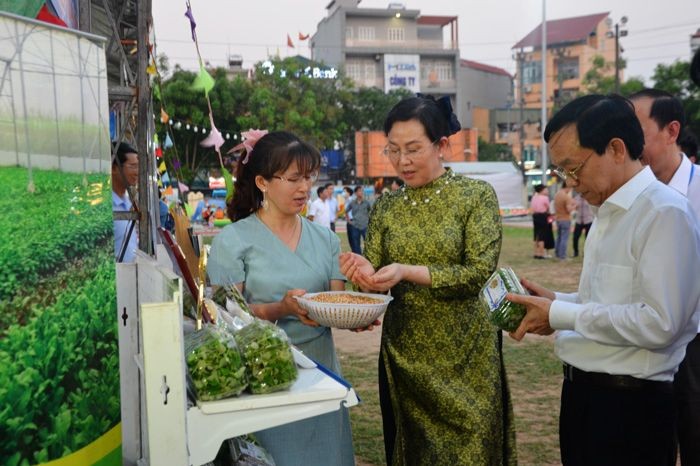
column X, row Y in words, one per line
column 686, row 387
column 578, row 229
column 601, row 426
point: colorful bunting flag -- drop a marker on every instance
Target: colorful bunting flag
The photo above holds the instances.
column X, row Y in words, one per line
column 215, row 139
column 203, row 81
column 168, row 142
column 303, row 36
column 164, row 117
column 193, row 24
column 289, row 41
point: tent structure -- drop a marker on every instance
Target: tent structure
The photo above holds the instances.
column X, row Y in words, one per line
column 53, row 97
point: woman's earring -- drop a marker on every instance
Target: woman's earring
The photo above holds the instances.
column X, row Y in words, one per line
column 265, row 204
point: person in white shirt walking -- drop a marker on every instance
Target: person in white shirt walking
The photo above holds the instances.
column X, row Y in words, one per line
column 623, row 334
column 319, row 211
column 663, row 119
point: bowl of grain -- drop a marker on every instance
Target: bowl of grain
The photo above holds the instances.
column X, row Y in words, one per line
column 344, row 309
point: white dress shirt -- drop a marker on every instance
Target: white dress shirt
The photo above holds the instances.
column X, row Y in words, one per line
column 634, row 312
column 121, row 228
column 321, row 212
column 686, row 181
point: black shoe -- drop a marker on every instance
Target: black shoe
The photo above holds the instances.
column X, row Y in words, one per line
column 538, row 257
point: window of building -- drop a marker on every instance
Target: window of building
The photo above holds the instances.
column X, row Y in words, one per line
column 353, row 70
column 348, row 32
column 365, row 33
column 568, row 68
column 370, row 71
column 444, row 70
column 532, row 72
column 396, row 34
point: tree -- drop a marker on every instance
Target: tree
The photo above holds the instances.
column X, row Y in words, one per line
column 599, row 80
column 492, row 152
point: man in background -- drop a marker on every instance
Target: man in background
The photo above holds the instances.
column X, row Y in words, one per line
column 319, row 211
column 564, row 205
column 358, row 219
column 332, row 204
column 125, row 231
column 663, row 119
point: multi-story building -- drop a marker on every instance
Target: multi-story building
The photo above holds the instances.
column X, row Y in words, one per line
column 392, row 47
column 572, row 44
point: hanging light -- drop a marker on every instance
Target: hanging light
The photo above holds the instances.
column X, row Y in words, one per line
column 188, row 126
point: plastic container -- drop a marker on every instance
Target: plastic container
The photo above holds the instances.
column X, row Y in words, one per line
column 503, row 313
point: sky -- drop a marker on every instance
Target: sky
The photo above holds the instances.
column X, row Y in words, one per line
column 658, row 32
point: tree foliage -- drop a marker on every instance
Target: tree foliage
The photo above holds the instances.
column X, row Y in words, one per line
column 493, row 152
column 282, row 95
column 600, row 80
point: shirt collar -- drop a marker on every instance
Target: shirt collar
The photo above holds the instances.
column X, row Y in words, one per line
column 680, row 179
column 117, row 200
column 626, row 194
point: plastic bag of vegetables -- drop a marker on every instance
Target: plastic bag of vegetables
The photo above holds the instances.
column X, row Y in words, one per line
column 268, row 357
column 214, row 363
column 503, row 313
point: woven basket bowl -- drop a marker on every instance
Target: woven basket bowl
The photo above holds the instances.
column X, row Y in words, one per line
column 344, row 315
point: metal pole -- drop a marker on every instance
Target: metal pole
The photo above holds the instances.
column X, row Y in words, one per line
column 617, row 58
column 545, row 162
column 521, row 98
column 142, row 129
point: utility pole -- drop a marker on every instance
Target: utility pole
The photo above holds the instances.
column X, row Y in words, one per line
column 521, row 101
column 617, row 34
column 543, row 122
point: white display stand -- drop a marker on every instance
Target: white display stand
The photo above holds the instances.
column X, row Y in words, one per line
column 158, row 427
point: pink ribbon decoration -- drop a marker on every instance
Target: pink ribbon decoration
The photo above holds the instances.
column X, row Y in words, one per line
column 215, row 139
column 250, row 138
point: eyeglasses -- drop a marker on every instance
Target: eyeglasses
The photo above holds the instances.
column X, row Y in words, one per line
column 564, row 173
column 299, row 179
column 394, row 154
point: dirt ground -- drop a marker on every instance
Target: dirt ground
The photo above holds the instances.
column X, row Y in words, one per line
column 359, row 343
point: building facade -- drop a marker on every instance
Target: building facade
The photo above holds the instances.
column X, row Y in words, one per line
column 391, row 48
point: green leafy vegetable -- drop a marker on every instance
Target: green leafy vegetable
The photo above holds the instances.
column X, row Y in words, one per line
column 268, row 357
column 215, row 364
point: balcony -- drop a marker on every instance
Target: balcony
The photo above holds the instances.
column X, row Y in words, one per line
column 428, row 85
column 404, row 44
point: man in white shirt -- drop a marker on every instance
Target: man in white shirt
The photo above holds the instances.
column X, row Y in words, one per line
column 662, row 118
column 319, row 211
column 332, row 204
column 124, row 230
column 623, row 334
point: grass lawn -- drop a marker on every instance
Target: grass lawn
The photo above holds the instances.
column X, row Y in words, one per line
column 534, row 372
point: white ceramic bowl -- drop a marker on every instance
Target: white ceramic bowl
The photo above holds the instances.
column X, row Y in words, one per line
column 344, row 315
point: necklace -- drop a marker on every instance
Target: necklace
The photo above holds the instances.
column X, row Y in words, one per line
column 426, row 199
column 290, row 239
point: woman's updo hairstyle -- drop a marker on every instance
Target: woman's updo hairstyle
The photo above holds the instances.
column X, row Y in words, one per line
column 436, row 116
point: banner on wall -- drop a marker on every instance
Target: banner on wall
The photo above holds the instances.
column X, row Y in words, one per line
column 402, row 71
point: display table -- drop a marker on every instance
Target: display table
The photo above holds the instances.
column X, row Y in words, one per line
column 158, row 426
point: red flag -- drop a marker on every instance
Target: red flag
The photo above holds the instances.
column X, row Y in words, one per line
column 289, row 42
column 303, row 36
column 48, row 17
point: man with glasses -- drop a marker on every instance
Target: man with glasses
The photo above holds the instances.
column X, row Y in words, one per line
column 662, row 118
column 623, row 334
